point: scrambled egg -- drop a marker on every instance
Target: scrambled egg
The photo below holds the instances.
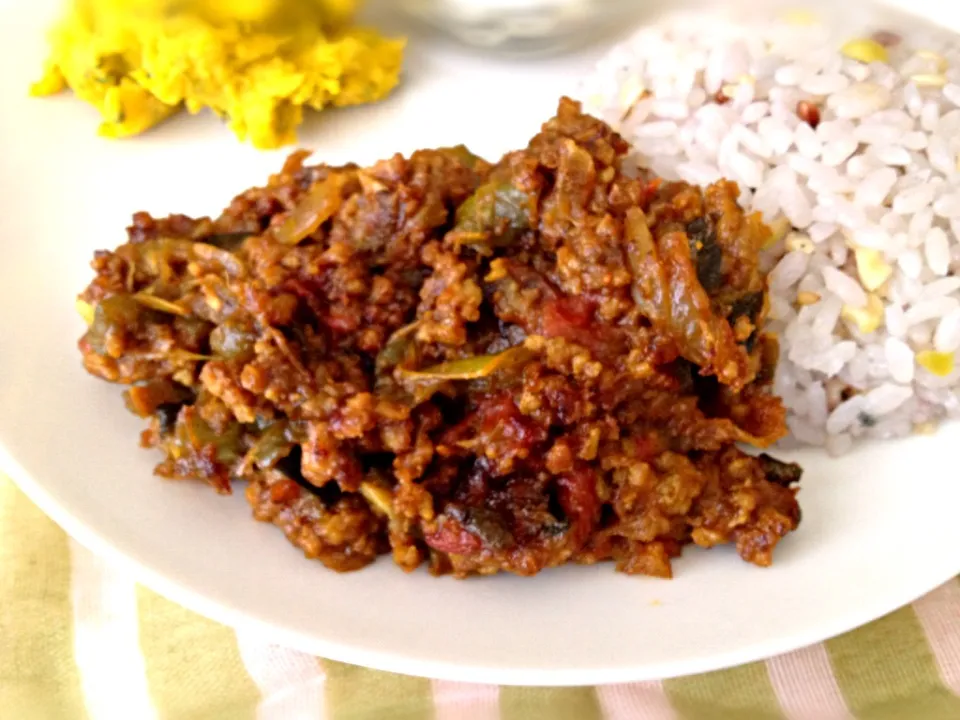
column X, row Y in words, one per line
column 256, row 63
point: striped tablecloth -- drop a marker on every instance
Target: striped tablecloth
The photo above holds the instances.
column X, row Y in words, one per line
column 80, row 640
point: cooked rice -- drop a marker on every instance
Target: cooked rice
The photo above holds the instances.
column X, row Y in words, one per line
column 864, row 292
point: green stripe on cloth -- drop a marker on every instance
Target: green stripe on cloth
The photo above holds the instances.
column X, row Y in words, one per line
column 530, row 703
column 356, row 693
column 740, row 693
column 887, row 672
column 193, row 665
column 39, row 677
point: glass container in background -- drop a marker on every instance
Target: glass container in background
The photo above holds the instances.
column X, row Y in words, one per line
column 521, row 26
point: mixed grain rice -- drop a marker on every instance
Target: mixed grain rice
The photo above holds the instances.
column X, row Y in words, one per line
column 847, row 140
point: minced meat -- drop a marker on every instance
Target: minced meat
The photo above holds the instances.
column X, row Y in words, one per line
column 479, row 367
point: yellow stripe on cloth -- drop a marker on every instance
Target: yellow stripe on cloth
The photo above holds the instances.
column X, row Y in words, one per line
column 887, row 672
column 39, row 679
column 356, row 693
column 193, row 665
column 740, row 693
column 532, row 703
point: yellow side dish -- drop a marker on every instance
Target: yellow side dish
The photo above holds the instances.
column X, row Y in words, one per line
column 256, row 63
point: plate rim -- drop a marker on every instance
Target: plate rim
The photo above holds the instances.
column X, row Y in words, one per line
column 237, row 618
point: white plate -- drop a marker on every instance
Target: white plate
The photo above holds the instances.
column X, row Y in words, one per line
column 879, row 525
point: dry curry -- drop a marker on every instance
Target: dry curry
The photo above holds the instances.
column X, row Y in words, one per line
column 479, row 367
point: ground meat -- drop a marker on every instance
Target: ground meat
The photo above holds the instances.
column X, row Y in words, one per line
column 344, row 534
column 479, row 367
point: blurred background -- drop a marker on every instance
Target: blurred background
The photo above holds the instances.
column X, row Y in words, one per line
column 522, row 26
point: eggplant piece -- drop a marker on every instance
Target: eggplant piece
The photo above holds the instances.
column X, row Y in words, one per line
column 779, row 472
column 485, row 524
column 706, row 254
